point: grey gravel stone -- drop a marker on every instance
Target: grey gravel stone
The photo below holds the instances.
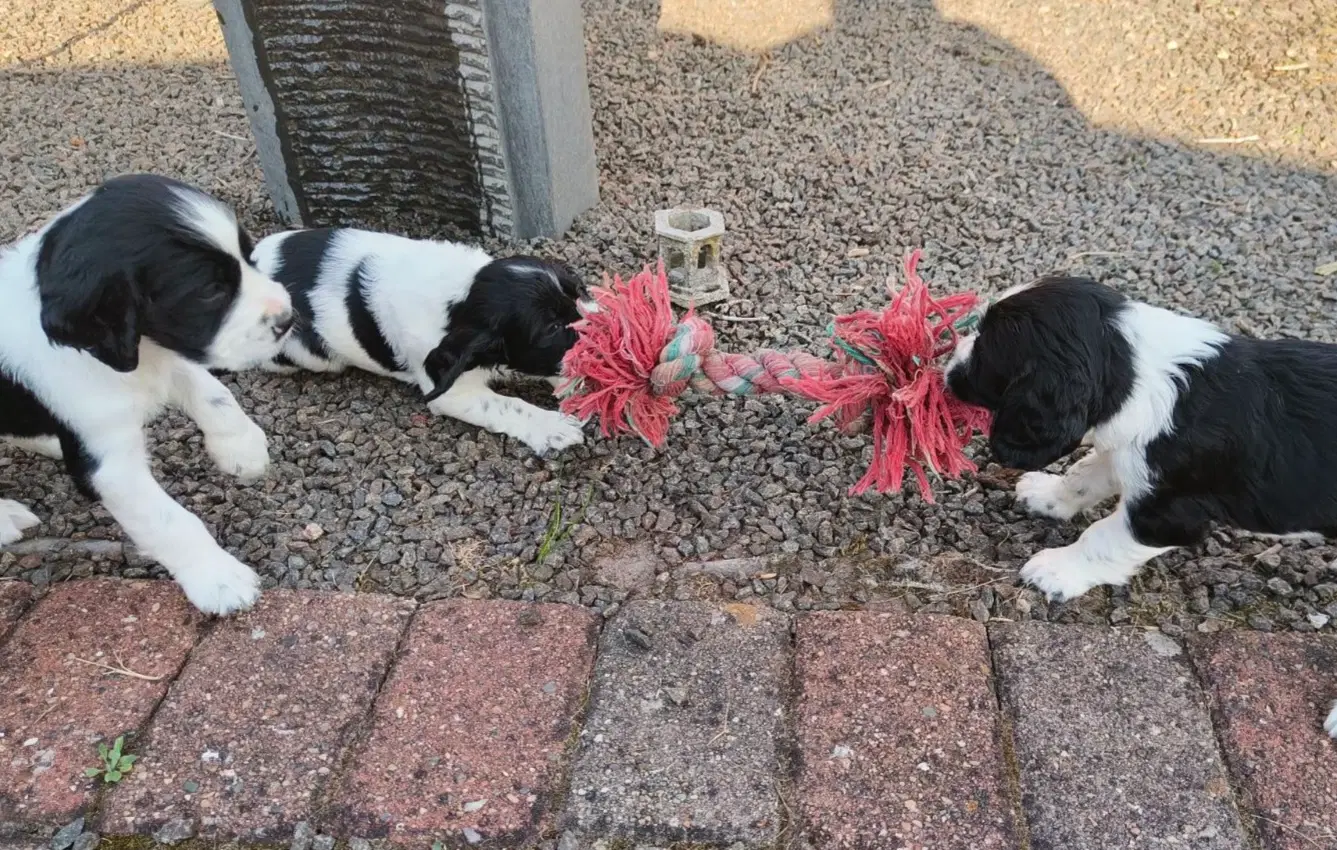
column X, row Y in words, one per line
column 174, row 831
column 303, row 836
column 66, row 835
column 87, row 841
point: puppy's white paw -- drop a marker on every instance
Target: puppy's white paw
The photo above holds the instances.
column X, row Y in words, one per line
column 219, row 584
column 14, row 520
column 1058, row 574
column 553, row 432
column 1044, row 494
column 1331, row 725
column 244, row 454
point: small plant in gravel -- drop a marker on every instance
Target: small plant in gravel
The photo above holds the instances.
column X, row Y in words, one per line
column 558, row 529
column 116, row 763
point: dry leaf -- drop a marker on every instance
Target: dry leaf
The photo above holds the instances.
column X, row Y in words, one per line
column 744, row 615
column 1326, row 269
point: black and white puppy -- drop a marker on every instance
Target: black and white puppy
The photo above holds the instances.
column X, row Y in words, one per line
column 1188, row 426
column 115, row 309
column 443, row 316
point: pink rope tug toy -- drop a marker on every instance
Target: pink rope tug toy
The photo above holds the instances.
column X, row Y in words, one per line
column 633, row 359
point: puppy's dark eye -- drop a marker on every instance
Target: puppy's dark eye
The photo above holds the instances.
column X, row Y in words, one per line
column 212, row 296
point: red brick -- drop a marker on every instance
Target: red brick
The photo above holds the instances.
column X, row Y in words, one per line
column 1271, row 693
column 478, row 709
column 898, row 734
column 261, row 717
column 63, row 706
column 15, row 597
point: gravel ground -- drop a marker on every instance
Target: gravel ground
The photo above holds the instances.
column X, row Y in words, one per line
column 830, row 157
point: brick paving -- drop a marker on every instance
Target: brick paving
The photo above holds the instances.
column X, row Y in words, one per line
column 324, row 717
column 1271, row 693
column 469, row 733
column 898, row 734
column 87, row 663
column 683, row 739
column 259, row 722
column 1114, row 743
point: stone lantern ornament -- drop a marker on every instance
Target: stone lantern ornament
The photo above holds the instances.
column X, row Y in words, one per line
column 689, row 245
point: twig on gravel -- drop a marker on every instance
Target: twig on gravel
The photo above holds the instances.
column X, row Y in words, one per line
column 1292, row 830
column 1080, row 254
column 1232, row 205
column 724, row 318
column 915, row 585
column 1229, row 140
column 1248, row 328
column 1297, row 66
column 960, row 590
column 119, row 670
column 880, row 84
column 763, row 62
column 231, row 136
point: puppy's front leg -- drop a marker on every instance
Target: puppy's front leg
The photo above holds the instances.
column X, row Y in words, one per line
column 1106, row 553
column 1087, row 483
column 214, row 581
column 237, row 445
column 472, row 400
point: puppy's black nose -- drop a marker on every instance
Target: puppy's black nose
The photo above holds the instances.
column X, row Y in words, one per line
column 283, row 323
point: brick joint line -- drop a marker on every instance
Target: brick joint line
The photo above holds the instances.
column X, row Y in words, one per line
column 1007, row 743
column 788, row 751
column 139, row 738
column 329, row 792
column 561, row 785
column 1239, row 786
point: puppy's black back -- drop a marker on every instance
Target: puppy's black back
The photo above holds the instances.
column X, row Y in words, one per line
column 1253, row 442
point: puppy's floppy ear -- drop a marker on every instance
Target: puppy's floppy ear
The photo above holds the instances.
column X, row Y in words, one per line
column 93, row 310
column 458, row 353
column 1043, row 416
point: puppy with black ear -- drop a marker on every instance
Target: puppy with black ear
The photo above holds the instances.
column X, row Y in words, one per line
column 443, row 316
column 1188, row 426
column 115, row 309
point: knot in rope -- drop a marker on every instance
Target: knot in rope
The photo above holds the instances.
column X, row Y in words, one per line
column 690, row 360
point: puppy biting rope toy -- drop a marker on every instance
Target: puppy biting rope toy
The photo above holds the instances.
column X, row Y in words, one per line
column 633, row 359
